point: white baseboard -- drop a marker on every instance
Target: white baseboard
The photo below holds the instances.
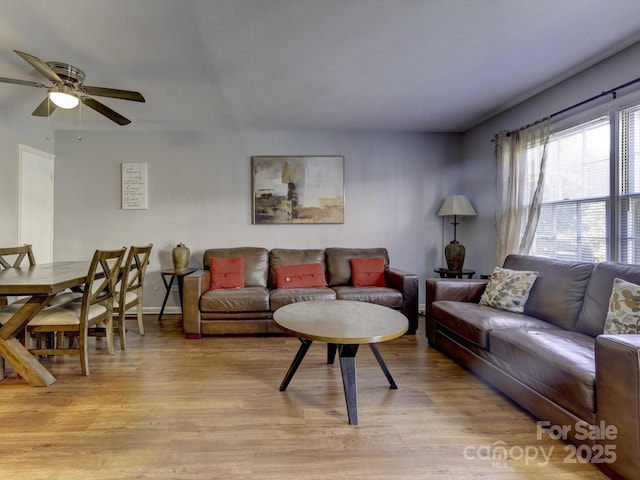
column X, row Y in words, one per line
column 176, row 310
column 169, row 310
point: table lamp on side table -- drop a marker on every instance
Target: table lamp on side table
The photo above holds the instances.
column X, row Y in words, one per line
column 455, row 205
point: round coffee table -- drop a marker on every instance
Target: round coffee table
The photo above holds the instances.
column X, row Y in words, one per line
column 344, row 325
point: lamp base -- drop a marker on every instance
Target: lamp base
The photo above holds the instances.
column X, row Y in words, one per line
column 454, row 253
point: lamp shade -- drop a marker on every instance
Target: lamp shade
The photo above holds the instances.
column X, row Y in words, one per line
column 456, row 205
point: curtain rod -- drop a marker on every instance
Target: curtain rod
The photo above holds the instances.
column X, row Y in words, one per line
column 613, row 91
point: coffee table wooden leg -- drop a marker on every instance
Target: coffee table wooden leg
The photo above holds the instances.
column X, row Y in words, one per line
column 376, row 352
column 348, row 368
column 302, row 351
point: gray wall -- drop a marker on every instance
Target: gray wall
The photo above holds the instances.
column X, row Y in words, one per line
column 15, row 130
column 199, row 191
column 477, row 150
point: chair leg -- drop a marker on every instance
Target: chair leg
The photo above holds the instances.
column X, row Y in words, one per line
column 109, row 334
column 122, row 330
column 84, row 354
column 139, row 314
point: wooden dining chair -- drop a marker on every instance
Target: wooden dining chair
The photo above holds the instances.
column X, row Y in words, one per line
column 71, row 321
column 12, row 257
column 130, row 288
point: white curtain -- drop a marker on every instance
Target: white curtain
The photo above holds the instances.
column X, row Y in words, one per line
column 520, row 164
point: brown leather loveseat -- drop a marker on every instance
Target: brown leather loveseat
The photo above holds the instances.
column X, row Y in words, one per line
column 249, row 310
column 553, row 359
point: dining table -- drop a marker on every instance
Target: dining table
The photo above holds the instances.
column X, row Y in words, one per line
column 39, row 283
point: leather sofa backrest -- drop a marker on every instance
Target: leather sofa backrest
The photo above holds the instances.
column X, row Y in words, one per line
column 286, row 256
column 559, row 290
column 339, row 267
column 256, row 262
column 596, row 302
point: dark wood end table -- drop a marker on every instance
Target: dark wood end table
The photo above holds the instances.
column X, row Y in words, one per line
column 173, row 274
column 446, row 273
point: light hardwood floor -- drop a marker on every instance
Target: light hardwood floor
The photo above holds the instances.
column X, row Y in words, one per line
column 170, row 408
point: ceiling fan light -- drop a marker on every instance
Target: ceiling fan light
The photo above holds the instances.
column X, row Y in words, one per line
column 64, row 100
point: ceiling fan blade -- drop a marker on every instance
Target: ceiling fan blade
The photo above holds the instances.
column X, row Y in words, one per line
column 106, row 111
column 45, row 108
column 42, row 67
column 114, row 93
column 22, row 82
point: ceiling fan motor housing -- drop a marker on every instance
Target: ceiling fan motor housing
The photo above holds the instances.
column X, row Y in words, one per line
column 68, row 73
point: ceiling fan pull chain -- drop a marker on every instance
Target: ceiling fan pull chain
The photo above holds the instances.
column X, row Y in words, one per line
column 80, row 121
column 48, row 120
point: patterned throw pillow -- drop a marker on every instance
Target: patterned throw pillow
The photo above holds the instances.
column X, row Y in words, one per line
column 624, row 308
column 508, row 289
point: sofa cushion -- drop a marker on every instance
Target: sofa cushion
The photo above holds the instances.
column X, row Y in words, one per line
column 474, row 322
column 508, row 289
column 557, row 363
column 387, row 297
column 292, row 256
column 624, row 308
column 281, row 297
column 256, row 262
column 248, row 299
column 339, row 262
column 304, row 275
column 368, row 272
column 558, row 292
column 598, row 293
column 227, row 272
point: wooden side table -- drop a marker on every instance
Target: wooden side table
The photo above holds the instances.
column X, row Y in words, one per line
column 173, row 274
column 446, row 273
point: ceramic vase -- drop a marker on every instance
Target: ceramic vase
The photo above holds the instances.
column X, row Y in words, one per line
column 180, row 256
column 454, row 253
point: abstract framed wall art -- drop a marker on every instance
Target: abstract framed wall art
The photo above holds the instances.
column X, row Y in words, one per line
column 297, row 189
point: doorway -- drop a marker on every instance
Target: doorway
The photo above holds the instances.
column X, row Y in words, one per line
column 35, row 201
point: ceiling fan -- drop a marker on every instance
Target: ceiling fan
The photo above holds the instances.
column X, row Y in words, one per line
column 68, row 89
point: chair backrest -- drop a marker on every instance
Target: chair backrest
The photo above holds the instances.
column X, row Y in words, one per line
column 133, row 272
column 102, row 278
column 7, row 255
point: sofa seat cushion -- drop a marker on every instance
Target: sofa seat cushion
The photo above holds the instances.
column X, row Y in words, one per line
column 248, row 299
column 559, row 364
column 385, row 296
column 473, row 322
column 285, row 296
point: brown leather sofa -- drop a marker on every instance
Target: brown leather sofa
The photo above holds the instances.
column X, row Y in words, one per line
column 249, row 310
column 553, row 359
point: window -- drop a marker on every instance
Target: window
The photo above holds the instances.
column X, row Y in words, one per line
column 577, row 201
column 629, row 190
column 573, row 217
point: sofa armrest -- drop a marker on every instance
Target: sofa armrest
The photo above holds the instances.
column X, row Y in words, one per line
column 407, row 283
column 194, row 285
column 452, row 289
column 618, row 400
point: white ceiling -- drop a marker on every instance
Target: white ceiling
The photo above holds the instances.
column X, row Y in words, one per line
column 401, row 65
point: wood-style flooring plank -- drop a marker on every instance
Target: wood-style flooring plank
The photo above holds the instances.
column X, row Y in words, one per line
column 170, row 408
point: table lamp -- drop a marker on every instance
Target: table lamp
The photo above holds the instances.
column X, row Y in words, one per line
column 456, row 205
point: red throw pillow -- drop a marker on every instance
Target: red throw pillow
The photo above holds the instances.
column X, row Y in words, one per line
column 306, row 275
column 368, row 272
column 226, row 272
